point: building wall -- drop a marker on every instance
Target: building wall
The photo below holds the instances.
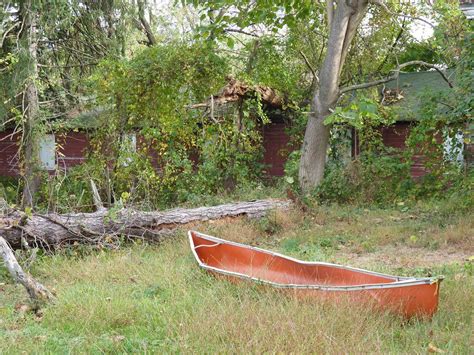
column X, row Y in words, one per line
column 8, row 153
column 71, row 149
column 275, row 144
column 395, row 136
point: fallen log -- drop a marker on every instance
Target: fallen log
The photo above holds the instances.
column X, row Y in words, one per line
column 37, row 292
column 108, row 227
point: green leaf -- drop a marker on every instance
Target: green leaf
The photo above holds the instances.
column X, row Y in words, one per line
column 28, row 211
column 230, row 42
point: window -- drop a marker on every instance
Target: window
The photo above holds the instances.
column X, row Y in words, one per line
column 48, row 152
column 129, row 147
column 454, row 147
column 130, row 143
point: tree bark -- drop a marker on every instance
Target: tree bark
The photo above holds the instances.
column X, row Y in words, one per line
column 145, row 25
column 344, row 18
column 30, row 139
column 37, row 292
column 108, row 227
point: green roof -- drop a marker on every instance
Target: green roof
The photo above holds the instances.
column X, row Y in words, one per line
column 84, row 120
column 413, row 86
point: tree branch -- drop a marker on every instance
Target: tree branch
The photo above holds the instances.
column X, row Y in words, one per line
column 308, row 64
column 394, row 45
column 236, row 30
column 5, row 34
column 37, row 292
column 96, row 197
column 330, row 11
column 396, row 73
column 385, row 7
column 145, row 26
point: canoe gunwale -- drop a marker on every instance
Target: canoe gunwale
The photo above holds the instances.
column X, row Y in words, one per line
column 399, row 281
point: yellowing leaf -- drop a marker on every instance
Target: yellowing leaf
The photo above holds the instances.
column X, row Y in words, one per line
column 434, row 349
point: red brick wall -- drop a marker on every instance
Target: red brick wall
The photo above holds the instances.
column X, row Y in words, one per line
column 395, row 136
column 8, row 153
column 275, row 144
column 71, row 149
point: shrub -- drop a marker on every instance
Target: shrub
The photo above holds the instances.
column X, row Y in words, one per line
column 368, row 179
column 9, row 188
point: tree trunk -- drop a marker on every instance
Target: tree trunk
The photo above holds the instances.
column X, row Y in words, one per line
column 107, row 227
column 313, row 153
column 343, row 26
column 145, row 25
column 30, row 139
column 37, row 292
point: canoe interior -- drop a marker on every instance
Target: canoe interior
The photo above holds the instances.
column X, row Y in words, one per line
column 274, row 268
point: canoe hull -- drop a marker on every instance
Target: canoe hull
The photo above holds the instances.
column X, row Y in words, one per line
column 406, row 296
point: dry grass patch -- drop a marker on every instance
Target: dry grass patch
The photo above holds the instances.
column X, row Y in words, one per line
column 156, row 299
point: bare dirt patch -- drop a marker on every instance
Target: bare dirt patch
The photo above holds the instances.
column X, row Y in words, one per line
column 406, row 257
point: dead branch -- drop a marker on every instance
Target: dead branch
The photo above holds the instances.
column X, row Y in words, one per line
column 37, row 292
column 236, row 30
column 310, row 67
column 384, row 6
column 106, row 226
column 235, row 90
column 96, row 197
column 144, row 24
column 396, row 73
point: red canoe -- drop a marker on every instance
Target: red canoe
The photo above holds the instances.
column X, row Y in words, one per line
column 408, row 296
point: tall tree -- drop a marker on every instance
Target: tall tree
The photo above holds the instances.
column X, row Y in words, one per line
column 46, row 50
column 30, row 104
column 343, row 18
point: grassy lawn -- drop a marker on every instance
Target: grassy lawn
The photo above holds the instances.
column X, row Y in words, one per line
column 155, row 298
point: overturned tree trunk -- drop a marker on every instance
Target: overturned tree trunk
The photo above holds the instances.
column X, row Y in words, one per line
column 37, row 292
column 109, row 227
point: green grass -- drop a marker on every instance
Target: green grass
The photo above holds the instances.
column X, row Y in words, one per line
column 156, row 299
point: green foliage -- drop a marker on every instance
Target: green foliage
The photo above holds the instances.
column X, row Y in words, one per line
column 378, row 175
column 420, row 51
column 9, row 190
column 445, row 116
column 381, row 174
column 369, row 179
column 385, row 179
column 274, row 63
column 366, row 116
column 268, row 224
column 463, row 101
column 66, row 191
column 73, row 35
column 181, row 152
column 274, row 14
column 292, row 168
column 148, row 91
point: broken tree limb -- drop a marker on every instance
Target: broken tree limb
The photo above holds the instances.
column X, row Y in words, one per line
column 96, row 197
column 37, row 292
column 235, row 90
column 108, row 226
